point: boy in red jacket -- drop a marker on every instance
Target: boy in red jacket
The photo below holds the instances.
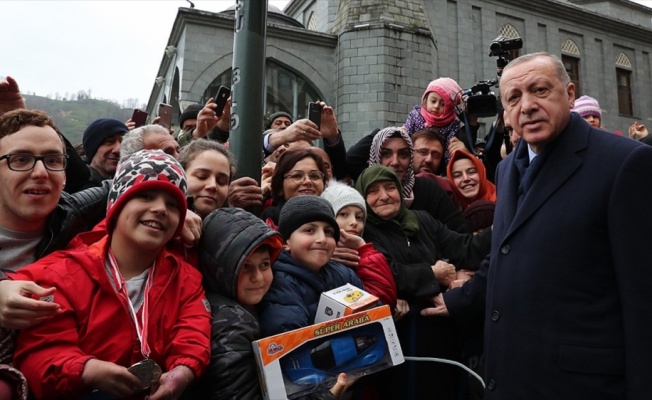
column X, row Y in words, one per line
column 134, row 319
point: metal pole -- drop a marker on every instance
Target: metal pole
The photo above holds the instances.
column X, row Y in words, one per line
column 248, row 86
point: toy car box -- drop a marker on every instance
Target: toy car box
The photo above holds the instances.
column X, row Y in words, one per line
column 309, row 359
column 344, row 300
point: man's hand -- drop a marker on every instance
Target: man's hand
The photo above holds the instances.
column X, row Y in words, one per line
column 131, row 125
column 10, row 98
column 637, row 131
column 328, row 126
column 439, row 310
column 155, row 122
column 172, row 384
column 18, row 310
column 191, row 232
column 402, row 309
column 111, row 378
column 303, row 129
column 266, row 177
column 444, row 272
column 207, row 119
column 244, row 192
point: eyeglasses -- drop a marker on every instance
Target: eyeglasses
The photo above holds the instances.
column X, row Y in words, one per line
column 25, row 162
column 299, row 176
column 425, row 153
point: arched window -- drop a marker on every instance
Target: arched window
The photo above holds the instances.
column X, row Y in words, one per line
column 312, row 22
column 509, row 32
column 624, row 82
column 285, row 90
column 570, row 56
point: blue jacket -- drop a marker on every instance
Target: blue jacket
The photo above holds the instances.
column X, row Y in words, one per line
column 292, row 300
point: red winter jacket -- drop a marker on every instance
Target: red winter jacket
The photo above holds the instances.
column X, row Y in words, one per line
column 95, row 321
column 374, row 272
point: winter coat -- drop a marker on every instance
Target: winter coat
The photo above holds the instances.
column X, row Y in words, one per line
column 95, row 320
column 229, row 236
column 292, row 300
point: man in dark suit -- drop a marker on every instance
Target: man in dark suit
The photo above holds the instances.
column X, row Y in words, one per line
column 568, row 310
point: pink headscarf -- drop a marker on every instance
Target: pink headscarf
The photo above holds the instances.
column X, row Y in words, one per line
column 451, row 92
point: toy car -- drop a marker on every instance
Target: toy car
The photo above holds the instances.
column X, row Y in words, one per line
column 316, row 361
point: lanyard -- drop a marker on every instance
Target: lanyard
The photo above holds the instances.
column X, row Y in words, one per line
column 142, row 327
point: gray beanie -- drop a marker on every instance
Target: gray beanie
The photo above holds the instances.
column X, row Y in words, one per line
column 300, row 210
column 341, row 195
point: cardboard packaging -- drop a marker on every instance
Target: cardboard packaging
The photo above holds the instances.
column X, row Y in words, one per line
column 344, row 300
column 307, row 360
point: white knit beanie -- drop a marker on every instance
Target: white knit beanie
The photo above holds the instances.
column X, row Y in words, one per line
column 340, row 195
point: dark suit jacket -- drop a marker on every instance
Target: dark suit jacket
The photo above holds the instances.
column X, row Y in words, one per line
column 568, row 302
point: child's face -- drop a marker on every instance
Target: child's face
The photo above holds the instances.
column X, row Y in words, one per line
column 593, row 120
column 312, row 244
column 255, row 277
column 351, row 220
column 434, row 103
column 149, row 219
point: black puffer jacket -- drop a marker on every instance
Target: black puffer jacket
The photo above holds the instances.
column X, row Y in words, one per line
column 75, row 213
column 229, row 236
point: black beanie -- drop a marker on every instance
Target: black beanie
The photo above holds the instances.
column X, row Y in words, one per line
column 190, row 112
column 278, row 114
column 300, row 210
column 97, row 132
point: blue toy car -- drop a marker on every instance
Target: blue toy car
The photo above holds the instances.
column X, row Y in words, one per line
column 316, row 361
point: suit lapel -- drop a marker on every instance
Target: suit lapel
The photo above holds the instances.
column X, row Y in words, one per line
column 562, row 162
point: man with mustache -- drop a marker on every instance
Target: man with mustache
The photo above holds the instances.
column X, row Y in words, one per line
column 567, row 311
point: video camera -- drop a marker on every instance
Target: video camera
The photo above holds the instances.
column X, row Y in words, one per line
column 480, row 100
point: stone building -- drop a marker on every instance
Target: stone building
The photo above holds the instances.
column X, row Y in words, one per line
column 372, row 59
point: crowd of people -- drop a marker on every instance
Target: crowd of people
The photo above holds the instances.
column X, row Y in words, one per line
column 136, row 265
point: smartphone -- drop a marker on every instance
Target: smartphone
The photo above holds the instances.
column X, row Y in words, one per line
column 314, row 113
column 139, row 117
column 221, row 97
column 165, row 112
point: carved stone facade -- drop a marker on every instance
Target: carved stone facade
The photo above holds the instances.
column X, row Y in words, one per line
column 372, row 59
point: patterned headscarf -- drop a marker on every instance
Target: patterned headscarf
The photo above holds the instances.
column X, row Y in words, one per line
column 374, row 156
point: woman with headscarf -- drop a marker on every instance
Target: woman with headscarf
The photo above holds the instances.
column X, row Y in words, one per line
column 392, row 147
column 423, row 255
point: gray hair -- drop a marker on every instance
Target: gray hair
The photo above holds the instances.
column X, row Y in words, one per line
column 562, row 74
column 133, row 141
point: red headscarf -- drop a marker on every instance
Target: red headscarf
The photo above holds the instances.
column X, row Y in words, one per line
column 487, row 190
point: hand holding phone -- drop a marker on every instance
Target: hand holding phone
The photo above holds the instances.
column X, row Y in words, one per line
column 221, row 97
column 165, row 114
column 139, row 118
column 314, row 113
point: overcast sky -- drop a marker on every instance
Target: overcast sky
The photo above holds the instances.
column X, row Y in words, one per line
column 114, row 48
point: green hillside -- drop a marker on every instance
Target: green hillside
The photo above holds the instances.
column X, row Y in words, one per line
column 73, row 116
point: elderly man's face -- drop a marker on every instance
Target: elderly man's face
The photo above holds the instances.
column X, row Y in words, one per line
column 161, row 141
column 536, row 101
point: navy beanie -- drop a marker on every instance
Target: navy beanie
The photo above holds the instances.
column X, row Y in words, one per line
column 97, row 132
column 300, row 210
column 191, row 112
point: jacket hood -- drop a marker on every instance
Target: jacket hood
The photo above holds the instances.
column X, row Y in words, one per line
column 229, row 235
